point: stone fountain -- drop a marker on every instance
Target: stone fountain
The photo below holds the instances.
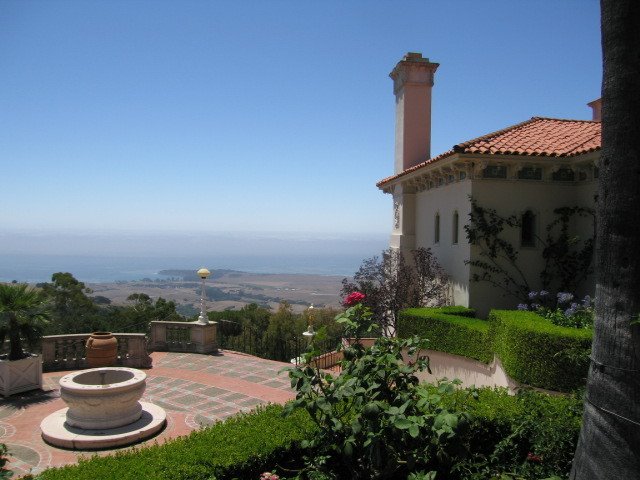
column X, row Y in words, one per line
column 104, row 410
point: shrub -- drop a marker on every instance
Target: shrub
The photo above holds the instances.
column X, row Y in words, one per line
column 531, row 435
column 449, row 329
column 536, row 352
column 4, row 473
column 375, row 421
column 242, row 446
column 561, row 309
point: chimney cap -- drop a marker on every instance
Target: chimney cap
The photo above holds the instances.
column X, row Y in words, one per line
column 596, row 107
column 415, row 57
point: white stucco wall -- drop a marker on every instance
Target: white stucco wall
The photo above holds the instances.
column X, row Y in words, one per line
column 510, row 197
column 445, row 200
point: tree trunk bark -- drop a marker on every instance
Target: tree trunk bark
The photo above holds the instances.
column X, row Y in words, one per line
column 15, row 343
column 609, row 443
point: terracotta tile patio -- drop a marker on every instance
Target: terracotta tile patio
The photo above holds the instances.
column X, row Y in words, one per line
column 195, row 390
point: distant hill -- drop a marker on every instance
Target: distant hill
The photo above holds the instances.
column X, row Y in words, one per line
column 191, row 275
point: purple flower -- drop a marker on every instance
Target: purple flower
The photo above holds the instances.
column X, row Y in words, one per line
column 523, row 306
column 586, row 301
column 564, row 297
column 532, row 295
column 535, row 306
column 543, row 293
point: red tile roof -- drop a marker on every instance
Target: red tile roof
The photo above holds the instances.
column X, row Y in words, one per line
column 542, row 137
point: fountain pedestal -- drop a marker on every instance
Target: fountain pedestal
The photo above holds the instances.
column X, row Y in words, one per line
column 104, row 410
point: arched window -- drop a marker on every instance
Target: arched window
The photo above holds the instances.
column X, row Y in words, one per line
column 436, row 229
column 454, row 236
column 528, row 229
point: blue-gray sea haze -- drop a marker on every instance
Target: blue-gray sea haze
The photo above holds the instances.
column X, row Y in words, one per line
column 95, row 269
column 98, row 258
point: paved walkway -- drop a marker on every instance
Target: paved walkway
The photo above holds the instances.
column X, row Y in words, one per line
column 195, row 390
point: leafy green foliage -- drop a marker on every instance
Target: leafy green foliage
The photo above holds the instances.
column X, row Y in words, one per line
column 241, row 447
column 4, row 473
column 530, row 435
column 74, row 311
column 449, row 329
column 536, row 352
column 531, row 348
column 23, row 314
column 274, row 335
column 375, row 420
column 500, row 432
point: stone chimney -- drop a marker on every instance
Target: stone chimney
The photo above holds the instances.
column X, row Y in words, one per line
column 596, row 107
column 412, row 82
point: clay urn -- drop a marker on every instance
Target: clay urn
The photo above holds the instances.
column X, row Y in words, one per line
column 101, row 350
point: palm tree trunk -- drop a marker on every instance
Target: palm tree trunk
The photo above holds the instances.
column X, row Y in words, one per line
column 15, row 344
column 609, row 443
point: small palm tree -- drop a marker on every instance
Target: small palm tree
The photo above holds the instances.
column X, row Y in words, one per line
column 23, row 313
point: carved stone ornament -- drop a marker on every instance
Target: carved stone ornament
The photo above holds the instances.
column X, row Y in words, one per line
column 396, row 214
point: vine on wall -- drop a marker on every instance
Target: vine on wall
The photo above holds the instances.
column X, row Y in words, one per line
column 567, row 257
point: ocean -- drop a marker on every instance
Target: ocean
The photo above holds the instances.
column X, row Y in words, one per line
column 106, row 269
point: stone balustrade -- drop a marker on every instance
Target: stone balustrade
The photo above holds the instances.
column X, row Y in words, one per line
column 184, row 337
column 67, row 352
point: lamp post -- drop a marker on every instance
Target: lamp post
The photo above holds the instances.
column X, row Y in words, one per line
column 310, row 333
column 203, row 273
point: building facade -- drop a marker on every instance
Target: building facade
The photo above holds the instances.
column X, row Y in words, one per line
column 527, row 170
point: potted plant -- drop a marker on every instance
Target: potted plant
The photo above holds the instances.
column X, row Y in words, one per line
column 23, row 314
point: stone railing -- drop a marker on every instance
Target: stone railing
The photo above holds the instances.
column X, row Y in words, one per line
column 184, row 337
column 67, row 352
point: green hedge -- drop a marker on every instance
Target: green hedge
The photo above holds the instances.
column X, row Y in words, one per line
column 449, row 329
column 505, row 429
column 532, row 350
column 242, row 447
column 536, row 352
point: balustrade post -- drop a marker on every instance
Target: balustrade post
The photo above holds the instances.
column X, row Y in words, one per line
column 48, row 353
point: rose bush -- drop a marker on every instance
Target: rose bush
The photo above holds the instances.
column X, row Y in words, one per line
column 353, row 299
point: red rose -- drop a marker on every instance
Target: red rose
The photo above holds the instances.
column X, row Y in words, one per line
column 353, row 299
column 534, row 458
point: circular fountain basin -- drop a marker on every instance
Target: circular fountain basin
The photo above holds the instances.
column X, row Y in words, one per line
column 104, row 410
column 101, row 398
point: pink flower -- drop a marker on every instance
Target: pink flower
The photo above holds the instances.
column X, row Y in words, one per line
column 353, row 299
column 269, row 476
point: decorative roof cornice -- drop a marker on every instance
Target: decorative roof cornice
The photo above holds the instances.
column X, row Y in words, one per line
column 537, row 137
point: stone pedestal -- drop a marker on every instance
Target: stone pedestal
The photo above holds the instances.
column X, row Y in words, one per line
column 184, row 337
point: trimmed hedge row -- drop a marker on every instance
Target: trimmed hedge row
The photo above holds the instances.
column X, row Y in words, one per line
column 449, row 329
column 504, row 430
column 536, row 352
column 533, row 351
column 242, row 446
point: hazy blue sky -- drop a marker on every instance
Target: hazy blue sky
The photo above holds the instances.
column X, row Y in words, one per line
column 257, row 116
